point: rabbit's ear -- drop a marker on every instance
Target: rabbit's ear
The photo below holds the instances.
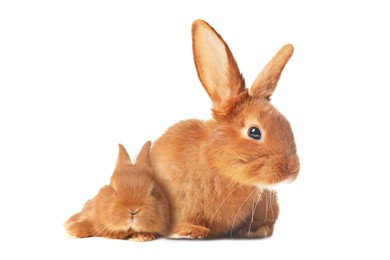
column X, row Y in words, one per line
column 216, row 67
column 121, row 167
column 265, row 83
column 123, row 157
column 144, row 154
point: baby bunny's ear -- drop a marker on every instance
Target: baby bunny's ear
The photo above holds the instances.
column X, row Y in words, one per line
column 144, row 154
column 123, row 157
column 265, row 83
column 121, row 166
column 216, row 67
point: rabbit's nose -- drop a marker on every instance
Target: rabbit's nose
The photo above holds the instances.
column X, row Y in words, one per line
column 293, row 166
column 133, row 213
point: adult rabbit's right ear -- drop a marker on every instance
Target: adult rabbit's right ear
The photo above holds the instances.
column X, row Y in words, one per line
column 216, row 67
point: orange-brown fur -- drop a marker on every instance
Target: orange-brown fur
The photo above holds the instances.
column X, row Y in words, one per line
column 214, row 175
column 132, row 190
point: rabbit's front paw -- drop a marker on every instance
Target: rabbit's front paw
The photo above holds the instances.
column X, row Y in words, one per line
column 142, row 237
column 189, row 231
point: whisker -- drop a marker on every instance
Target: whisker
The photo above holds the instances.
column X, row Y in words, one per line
column 108, row 231
column 252, row 216
column 269, row 204
column 219, row 207
column 239, row 209
column 266, row 206
column 272, row 197
column 254, row 207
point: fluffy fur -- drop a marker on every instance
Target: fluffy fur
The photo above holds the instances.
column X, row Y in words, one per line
column 132, row 206
column 216, row 176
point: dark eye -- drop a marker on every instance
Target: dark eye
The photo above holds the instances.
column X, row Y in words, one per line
column 254, row 132
column 153, row 192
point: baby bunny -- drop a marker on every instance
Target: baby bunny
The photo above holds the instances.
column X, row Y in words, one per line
column 132, row 206
column 216, row 173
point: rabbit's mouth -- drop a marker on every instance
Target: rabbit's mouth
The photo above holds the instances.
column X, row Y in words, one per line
column 288, row 169
column 133, row 224
column 263, row 171
column 293, row 167
column 278, row 169
column 291, row 177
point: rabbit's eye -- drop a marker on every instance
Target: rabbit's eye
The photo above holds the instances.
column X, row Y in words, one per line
column 153, row 192
column 254, row 133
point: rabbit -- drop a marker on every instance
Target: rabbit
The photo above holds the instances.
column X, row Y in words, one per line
column 132, row 206
column 218, row 174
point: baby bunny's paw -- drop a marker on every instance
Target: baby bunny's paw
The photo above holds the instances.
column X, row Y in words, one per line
column 142, row 237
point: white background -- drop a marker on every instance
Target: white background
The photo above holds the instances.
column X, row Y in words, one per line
column 78, row 77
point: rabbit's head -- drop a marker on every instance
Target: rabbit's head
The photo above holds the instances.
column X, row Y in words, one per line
column 252, row 142
column 137, row 201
